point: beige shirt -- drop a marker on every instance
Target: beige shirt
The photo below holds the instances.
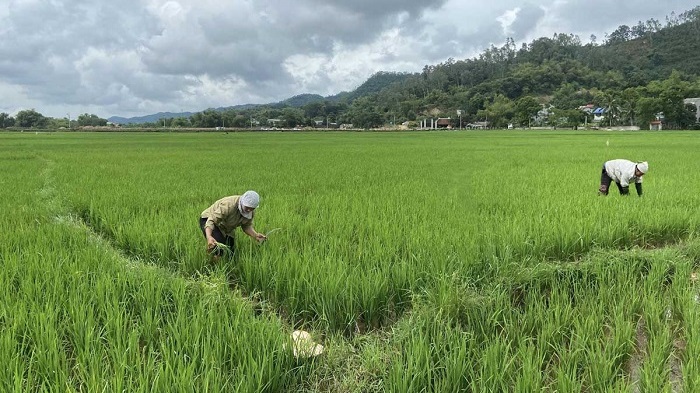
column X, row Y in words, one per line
column 225, row 215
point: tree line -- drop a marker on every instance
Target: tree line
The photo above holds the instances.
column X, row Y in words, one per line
column 30, row 118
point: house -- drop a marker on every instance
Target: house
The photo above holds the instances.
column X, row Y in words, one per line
column 588, row 109
column 443, row 122
column 655, row 125
column 599, row 114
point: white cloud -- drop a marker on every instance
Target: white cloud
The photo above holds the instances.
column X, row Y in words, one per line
column 506, row 20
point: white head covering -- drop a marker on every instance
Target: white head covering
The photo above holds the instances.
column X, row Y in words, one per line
column 248, row 199
column 643, row 167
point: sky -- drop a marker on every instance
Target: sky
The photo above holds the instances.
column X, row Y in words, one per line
column 138, row 57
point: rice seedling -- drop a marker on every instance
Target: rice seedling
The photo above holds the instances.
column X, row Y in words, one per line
column 489, row 266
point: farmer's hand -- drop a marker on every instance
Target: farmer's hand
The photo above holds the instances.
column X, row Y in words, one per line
column 260, row 237
column 211, row 243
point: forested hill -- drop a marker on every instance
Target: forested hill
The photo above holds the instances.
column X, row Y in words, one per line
column 376, row 83
column 636, row 73
column 632, row 72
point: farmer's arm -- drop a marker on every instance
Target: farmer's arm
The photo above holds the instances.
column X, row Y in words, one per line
column 211, row 242
column 250, row 231
column 215, row 215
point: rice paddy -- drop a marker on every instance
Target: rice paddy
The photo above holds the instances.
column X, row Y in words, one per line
column 421, row 261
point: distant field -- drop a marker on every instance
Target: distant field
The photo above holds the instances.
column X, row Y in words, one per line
column 423, row 261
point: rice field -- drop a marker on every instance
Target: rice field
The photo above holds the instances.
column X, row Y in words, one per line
column 422, row 261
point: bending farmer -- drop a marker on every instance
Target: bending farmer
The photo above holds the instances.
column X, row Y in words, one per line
column 622, row 172
column 225, row 215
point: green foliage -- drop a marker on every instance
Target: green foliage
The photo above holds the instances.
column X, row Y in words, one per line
column 526, row 109
column 364, row 114
column 91, row 120
column 30, row 119
column 208, row 119
column 376, row 83
column 301, row 100
column 6, row 120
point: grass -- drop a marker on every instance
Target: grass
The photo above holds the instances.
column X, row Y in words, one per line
column 437, row 261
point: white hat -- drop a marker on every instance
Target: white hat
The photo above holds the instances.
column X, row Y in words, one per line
column 643, row 167
column 250, row 199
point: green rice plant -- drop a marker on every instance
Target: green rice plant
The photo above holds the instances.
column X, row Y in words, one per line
column 529, row 376
column 431, row 355
column 222, row 249
column 655, row 371
column 566, row 375
column 481, row 282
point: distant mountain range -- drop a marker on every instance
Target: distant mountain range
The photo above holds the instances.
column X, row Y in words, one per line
column 296, row 101
column 374, row 84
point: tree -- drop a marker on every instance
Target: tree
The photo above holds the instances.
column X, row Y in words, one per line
column 30, row 118
column 241, row 121
column 671, row 93
column 526, row 109
column 567, row 97
column 629, row 99
column 566, row 117
column 687, row 119
column 314, row 109
column 363, row 113
column 182, row 122
column 292, row 117
column 500, row 112
column 647, row 109
column 609, row 100
column 91, row 120
column 207, row 119
column 622, row 34
column 6, row 120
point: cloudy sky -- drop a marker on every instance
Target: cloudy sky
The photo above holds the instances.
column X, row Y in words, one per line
column 137, row 57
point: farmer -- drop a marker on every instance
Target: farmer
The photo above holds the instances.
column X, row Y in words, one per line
column 225, row 215
column 622, row 172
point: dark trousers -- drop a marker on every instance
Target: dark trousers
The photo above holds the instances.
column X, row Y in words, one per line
column 605, row 181
column 218, row 235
